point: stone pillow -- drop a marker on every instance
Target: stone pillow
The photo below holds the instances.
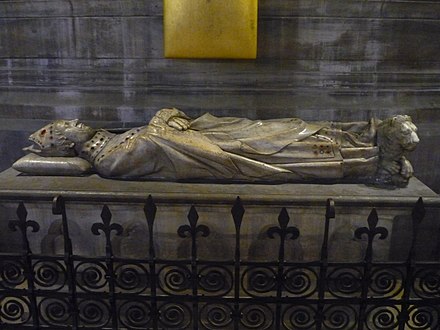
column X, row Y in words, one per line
column 37, row 165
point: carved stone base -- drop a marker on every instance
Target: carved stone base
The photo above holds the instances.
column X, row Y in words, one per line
column 305, row 204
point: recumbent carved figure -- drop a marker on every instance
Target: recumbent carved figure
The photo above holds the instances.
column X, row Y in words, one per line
column 175, row 147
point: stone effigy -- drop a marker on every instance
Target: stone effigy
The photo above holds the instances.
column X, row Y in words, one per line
column 175, row 147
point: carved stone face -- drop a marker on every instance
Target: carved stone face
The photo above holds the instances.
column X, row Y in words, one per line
column 74, row 130
column 59, row 138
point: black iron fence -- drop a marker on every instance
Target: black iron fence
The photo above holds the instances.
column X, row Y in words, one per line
column 74, row 291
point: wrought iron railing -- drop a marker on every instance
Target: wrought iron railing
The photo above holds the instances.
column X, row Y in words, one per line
column 110, row 292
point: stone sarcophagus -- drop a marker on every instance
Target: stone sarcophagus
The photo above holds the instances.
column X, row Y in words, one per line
column 150, row 255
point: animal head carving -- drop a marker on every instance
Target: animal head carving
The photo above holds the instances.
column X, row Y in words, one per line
column 396, row 136
column 401, row 131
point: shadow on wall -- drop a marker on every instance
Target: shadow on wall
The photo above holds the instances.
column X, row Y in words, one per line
column 11, row 145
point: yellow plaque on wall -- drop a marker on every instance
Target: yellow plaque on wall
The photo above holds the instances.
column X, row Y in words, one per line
column 210, row 28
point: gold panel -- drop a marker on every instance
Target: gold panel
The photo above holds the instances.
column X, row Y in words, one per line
column 210, row 28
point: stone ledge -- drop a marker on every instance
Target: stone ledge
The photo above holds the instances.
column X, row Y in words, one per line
column 93, row 188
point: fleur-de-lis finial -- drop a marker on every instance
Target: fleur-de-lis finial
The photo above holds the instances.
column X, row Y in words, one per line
column 22, row 224
column 192, row 229
column 371, row 232
column 107, row 227
column 372, row 229
column 283, row 230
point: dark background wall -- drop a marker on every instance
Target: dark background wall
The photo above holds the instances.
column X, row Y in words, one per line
column 102, row 61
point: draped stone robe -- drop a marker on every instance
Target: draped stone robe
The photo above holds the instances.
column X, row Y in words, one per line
column 228, row 148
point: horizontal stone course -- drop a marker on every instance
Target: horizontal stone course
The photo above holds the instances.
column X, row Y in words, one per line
column 301, row 38
column 396, row 9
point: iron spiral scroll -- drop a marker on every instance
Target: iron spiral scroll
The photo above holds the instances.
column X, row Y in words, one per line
column 71, row 291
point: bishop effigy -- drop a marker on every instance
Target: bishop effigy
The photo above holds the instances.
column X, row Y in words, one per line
column 174, row 147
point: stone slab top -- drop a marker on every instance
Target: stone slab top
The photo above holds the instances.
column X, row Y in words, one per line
column 93, row 188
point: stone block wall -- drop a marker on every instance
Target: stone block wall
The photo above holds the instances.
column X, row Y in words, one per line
column 102, row 62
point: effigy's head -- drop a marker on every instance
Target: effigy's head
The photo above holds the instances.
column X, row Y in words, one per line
column 402, row 131
column 59, row 138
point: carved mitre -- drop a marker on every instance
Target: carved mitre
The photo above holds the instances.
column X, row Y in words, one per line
column 48, row 141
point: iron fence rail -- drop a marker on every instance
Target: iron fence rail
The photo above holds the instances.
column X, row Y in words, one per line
column 71, row 291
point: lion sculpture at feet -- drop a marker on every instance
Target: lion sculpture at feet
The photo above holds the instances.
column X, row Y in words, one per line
column 396, row 137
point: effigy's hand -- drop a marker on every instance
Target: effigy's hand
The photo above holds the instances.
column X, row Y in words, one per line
column 179, row 123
